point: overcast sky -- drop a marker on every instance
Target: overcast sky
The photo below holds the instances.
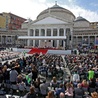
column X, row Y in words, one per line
column 31, row 8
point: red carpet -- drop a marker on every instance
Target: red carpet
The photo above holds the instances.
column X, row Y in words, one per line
column 38, row 50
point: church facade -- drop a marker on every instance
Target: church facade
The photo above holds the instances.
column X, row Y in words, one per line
column 57, row 27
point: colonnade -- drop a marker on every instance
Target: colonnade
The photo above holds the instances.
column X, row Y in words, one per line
column 47, row 32
column 84, row 39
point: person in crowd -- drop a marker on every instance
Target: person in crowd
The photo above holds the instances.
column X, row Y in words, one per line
column 54, row 82
column 76, row 76
column 50, row 94
column 37, row 84
column 78, row 91
column 43, row 89
column 5, row 74
column 59, row 90
column 85, row 84
column 62, row 95
column 94, row 95
column 90, row 74
column 19, row 78
column 69, row 89
column 31, row 94
column 34, row 73
column 92, row 85
column 1, row 75
column 96, row 84
column 17, row 67
column 13, row 75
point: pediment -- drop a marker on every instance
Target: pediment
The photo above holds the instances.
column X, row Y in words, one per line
column 49, row 20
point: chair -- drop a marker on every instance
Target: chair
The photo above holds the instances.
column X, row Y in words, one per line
column 14, row 88
column 27, row 88
column 22, row 89
column 69, row 97
column 85, row 89
column 91, row 90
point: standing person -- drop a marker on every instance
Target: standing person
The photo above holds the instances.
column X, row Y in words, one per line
column 43, row 89
column 13, row 76
column 17, row 67
column 91, row 74
column 34, row 73
column 76, row 76
column 5, row 74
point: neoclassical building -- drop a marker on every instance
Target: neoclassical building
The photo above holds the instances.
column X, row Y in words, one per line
column 54, row 27
column 59, row 22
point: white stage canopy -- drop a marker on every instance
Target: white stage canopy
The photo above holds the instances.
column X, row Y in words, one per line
column 43, row 37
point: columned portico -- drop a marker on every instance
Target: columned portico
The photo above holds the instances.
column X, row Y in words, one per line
column 48, row 32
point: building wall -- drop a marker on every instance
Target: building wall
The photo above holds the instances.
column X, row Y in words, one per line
column 94, row 25
column 2, row 22
column 13, row 22
column 7, row 17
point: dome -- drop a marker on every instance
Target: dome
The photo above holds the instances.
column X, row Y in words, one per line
column 81, row 22
column 58, row 12
column 80, row 19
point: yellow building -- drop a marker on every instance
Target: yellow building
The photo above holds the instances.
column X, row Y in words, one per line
column 2, row 22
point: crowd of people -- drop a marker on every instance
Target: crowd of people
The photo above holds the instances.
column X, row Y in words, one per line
column 43, row 76
column 7, row 55
column 84, row 73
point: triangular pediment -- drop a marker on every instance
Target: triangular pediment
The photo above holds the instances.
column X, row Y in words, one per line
column 49, row 20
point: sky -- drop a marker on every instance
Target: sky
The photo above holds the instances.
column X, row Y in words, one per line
column 31, row 8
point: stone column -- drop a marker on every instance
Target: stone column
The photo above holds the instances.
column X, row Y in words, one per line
column 71, row 41
column 34, row 35
column 88, row 40
column 11, row 39
column 39, row 35
column 28, row 42
column 58, row 36
column 76, row 40
column 64, row 39
column 82, row 39
column 52, row 35
column 6, row 38
column 1, row 39
column 45, row 33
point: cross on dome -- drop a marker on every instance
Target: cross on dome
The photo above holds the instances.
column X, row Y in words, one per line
column 55, row 2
